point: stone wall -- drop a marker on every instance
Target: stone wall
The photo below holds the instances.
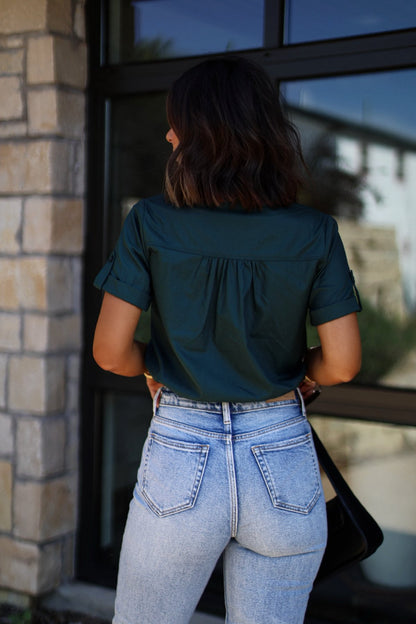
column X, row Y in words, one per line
column 42, row 141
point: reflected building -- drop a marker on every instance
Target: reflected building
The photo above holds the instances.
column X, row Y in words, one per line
column 376, row 214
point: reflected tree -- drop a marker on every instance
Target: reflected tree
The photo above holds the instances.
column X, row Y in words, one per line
column 139, row 129
column 140, row 150
column 150, row 49
column 330, row 187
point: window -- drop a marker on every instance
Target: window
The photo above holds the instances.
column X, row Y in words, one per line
column 359, row 140
column 312, row 20
column 143, row 30
column 137, row 155
column 369, row 454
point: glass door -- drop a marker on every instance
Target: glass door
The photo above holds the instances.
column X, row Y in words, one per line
column 135, row 155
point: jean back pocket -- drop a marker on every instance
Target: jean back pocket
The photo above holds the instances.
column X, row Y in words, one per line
column 290, row 472
column 172, row 474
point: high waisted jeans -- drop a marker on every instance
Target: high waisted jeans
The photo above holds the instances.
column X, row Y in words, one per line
column 235, row 478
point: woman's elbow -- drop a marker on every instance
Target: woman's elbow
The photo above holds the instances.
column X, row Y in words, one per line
column 346, row 372
column 347, row 376
column 104, row 358
column 99, row 359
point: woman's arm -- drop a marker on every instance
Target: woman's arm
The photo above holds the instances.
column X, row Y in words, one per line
column 114, row 347
column 338, row 359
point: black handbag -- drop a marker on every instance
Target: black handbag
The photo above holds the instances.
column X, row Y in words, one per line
column 353, row 534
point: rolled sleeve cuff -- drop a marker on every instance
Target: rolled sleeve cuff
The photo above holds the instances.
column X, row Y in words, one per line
column 334, row 311
column 132, row 294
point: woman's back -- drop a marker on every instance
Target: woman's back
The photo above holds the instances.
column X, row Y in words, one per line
column 230, row 292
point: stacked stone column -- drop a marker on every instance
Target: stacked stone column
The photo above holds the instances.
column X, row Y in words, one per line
column 42, row 144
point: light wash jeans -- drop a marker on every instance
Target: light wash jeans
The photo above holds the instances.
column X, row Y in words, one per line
column 238, row 478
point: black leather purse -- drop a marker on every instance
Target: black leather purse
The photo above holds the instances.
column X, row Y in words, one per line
column 353, row 534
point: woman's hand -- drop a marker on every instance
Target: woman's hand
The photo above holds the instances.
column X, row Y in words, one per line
column 153, row 385
column 309, row 389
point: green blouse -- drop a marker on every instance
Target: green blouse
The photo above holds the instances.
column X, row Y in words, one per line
column 230, row 292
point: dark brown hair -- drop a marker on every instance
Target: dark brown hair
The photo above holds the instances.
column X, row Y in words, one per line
column 236, row 146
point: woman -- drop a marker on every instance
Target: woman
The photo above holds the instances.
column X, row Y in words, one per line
column 231, row 265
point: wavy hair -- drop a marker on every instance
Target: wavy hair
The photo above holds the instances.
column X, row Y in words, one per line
column 235, row 144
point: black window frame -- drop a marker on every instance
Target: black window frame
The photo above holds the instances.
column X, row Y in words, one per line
column 371, row 53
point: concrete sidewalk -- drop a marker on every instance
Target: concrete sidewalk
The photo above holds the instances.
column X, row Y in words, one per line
column 98, row 602
column 203, row 618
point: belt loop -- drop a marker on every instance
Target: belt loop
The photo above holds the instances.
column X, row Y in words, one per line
column 156, row 400
column 301, row 401
column 226, row 419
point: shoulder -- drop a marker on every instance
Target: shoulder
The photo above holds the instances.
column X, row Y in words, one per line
column 155, row 202
column 140, row 212
column 312, row 215
column 312, row 222
column 150, row 208
column 141, row 216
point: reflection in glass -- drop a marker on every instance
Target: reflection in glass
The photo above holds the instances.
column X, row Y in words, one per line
column 311, row 20
column 379, row 463
column 137, row 160
column 143, row 30
column 359, row 139
column 125, row 422
column 138, row 155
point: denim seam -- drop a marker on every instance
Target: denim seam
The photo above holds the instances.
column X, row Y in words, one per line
column 215, row 407
column 232, row 481
column 241, row 408
column 299, row 440
column 170, row 443
column 164, row 402
column 254, row 434
column 162, row 420
column 167, row 422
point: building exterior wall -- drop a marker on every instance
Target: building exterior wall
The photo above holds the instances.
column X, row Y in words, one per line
column 42, row 144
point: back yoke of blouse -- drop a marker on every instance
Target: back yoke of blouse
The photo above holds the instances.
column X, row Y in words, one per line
column 229, row 293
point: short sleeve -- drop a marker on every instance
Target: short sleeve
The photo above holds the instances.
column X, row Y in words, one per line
column 126, row 273
column 334, row 293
